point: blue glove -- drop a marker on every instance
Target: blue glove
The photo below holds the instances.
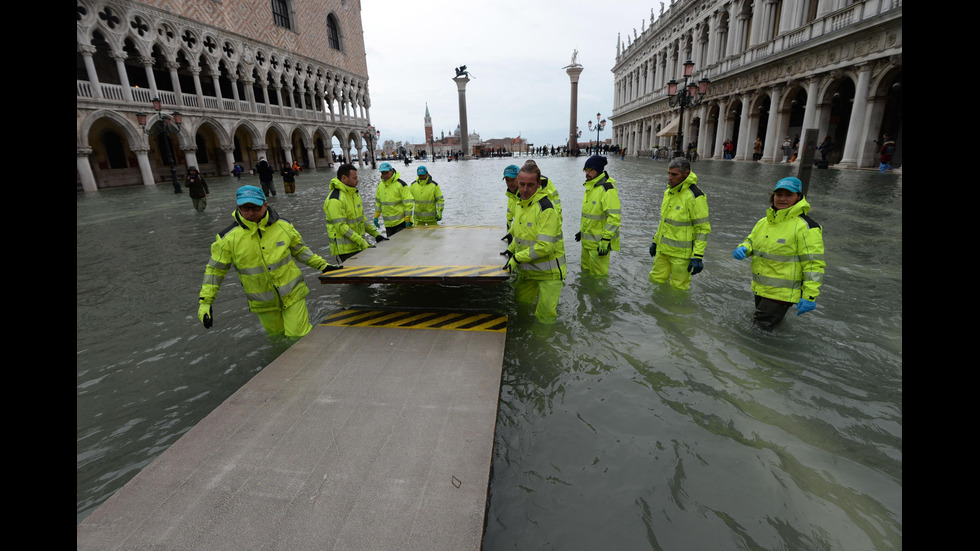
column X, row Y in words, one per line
column 408, row 223
column 739, row 253
column 695, row 266
column 805, row 306
column 604, row 247
column 376, row 224
column 653, row 249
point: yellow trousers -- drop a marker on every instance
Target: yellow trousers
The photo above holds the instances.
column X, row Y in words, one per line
column 593, row 264
column 545, row 291
column 294, row 321
column 673, row 269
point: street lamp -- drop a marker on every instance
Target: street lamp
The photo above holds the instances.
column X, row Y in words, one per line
column 371, row 134
column 600, row 125
column 169, row 124
column 690, row 95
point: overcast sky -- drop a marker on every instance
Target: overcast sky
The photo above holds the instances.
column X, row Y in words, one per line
column 514, row 50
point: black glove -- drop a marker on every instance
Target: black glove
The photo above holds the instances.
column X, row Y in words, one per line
column 331, row 267
column 653, row 249
column 578, row 236
column 380, row 238
column 205, row 314
column 508, row 238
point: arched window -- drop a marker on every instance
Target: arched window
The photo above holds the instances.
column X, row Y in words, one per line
column 115, row 153
column 333, row 32
column 280, row 13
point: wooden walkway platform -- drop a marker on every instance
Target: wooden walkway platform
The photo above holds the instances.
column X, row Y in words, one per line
column 373, row 432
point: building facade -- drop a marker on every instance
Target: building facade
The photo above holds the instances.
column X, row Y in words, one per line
column 285, row 80
column 776, row 68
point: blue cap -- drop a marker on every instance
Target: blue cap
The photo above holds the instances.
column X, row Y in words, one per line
column 385, row 167
column 422, row 171
column 511, row 171
column 791, row 184
column 596, row 163
column 250, row 194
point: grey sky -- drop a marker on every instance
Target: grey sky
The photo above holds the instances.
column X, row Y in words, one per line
column 515, row 52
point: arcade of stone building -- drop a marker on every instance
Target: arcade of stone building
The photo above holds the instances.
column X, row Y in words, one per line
column 288, row 85
column 775, row 68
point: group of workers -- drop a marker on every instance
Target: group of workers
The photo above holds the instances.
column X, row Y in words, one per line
column 786, row 245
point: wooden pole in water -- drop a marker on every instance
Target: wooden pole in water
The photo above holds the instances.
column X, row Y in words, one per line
column 806, row 157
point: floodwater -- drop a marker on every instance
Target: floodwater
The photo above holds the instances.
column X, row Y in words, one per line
column 645, row 418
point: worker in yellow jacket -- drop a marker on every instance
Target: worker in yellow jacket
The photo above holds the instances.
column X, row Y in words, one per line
column 601, row 218
column 346, row 223
column 682, row 235
column 787, row 256
column 428, row 199
column 262, row 247
column 393, row 201
column 537, row 251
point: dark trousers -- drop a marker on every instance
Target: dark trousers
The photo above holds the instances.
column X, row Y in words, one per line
column 268, row 188
column 769, row 312
column 394, row 229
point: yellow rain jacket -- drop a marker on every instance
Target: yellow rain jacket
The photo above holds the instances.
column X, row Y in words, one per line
column 428, row 201
column 600, row 213
column 393, row 201
column 346, row 223
column 684, row 227
column 262, row 254
column 538, row 246
column 787, row 254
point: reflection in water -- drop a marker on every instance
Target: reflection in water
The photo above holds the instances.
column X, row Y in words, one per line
column 644, row 418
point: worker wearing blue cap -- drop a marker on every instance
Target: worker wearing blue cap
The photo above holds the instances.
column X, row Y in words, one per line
column 392, row 201
column 262, row 247
column 787, row 256
column 428, row 200
column 510, row 177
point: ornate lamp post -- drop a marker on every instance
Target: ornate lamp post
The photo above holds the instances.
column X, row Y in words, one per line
column 169, row 124
column 599, row 126
column 689, row 96
column 371, row 134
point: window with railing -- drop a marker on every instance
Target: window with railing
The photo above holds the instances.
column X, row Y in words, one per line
column 280, row 13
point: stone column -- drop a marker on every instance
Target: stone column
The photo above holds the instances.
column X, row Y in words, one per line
column 573, row 70
column 312, row 159
column 85, row 169
column 772, row 140
column 123, row 77
column 143, row 160
column 93, row 75
column 855, row 127
column 464, row 136
column 229, row 151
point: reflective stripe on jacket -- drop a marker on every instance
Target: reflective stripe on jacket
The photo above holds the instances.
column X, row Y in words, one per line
column 538, row 246
column 512, row 200
column 393, row 201
column 262, row 255
column 346, row 224
column 684, row 227
column 601, row 215
column 787, row 254
column 428, row 201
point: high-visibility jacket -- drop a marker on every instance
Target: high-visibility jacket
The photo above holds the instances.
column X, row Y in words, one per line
column 262, row 254
column 345, row 219
column 601, row 214
column 512, row 199
column 393, row 201
column 684, row 227
column 552, row 191
column 538, row 246
column 787, row 254
column 428, row 201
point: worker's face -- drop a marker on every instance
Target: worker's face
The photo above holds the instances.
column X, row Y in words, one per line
column 784, row 199
column 350, row 180
column 676, row 176
column 252, row 212
column 511, row 184
column 527, row 184
column 591, row 173
column 386, row 175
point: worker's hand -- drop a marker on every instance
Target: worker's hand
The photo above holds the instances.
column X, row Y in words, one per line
column 380, row 238
column 739, row 253
column 604, row 247
column 578, row 236
column 376, row 224
column 653, row 249
column 408, row 223
column 804, row 306
column 331, row 267
column 204, row 314
column 508, row 238
column 439, row 217
column 511, row 265
column 695, row 266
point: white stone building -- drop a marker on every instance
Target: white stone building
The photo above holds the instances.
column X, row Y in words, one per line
column 286, row 80
column 776, row 67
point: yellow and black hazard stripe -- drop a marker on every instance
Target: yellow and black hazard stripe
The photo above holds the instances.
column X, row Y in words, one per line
column 456, row 321
column 422, row 274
